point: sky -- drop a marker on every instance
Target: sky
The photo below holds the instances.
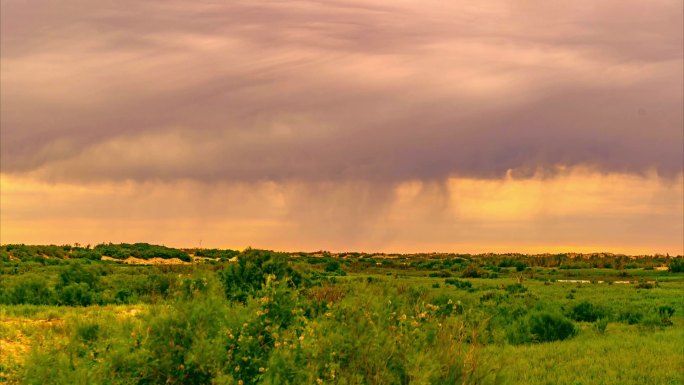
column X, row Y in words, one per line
column 398, row 126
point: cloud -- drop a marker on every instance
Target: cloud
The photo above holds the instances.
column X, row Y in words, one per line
column 395, row 126
column 575, row 210
column 342, row 91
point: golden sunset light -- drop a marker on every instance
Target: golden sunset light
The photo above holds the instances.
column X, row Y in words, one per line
column 341, row 192
column 449, row 127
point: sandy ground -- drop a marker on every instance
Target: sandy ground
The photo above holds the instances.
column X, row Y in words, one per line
column 15, row 344
column 151, row 261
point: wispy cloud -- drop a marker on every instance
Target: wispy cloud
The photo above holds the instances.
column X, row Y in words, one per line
column 338, row 90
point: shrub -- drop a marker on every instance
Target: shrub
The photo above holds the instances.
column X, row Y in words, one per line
column 332, row 265
column 141, row 250
column 86, row 254
column 87, row 332
column 587, row 312
column 494, row 295
column 246, row 277
column 630, row 316
column 516, row 288
column 32, row 292
column 459, row 284
column 216, row 253
column 76, row 294
column 158, row 284
column 677, row 265
column 123, row 296
column 186, row 344
column 601, row 325
column 550, row 327
column 76, row 273
column 666, row 313
column 474, row 271
column 520, row 266
column 541, row 326
column 653, row 320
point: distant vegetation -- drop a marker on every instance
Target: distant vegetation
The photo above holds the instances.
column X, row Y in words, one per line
column 263, row 317
column 469, row 264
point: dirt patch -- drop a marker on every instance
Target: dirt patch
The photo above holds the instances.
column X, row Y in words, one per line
column 14, row 349
column 13, row 352
column 15, row 344
column 128, row 312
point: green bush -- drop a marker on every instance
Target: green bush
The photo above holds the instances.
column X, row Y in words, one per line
column 516, row 288
column 652, row 320
column 332, row 265
column 459, row 284
column 247, row 276
column 474, row 271
column 666, row 313
column 87, row 332
column 216, row 253
column 77, row 273
column 32, row 292
column 75, row 294
column 630, row 316
column 140, row 250
column 541, row 326
column 123, row 296
column 601, row 325
column 186, row 343
column 677, row 265
column 587, row 312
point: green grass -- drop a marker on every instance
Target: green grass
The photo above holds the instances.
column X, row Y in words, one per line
column 623, row 355
column 209, row 323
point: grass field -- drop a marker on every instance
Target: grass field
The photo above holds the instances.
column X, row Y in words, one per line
column 259, row 317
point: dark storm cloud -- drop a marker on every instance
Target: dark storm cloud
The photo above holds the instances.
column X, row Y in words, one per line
column 244, row 91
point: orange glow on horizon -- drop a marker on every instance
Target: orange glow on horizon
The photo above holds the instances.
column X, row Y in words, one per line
column 577, row 211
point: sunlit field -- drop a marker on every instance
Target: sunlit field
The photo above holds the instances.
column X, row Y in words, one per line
column 73, row 315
